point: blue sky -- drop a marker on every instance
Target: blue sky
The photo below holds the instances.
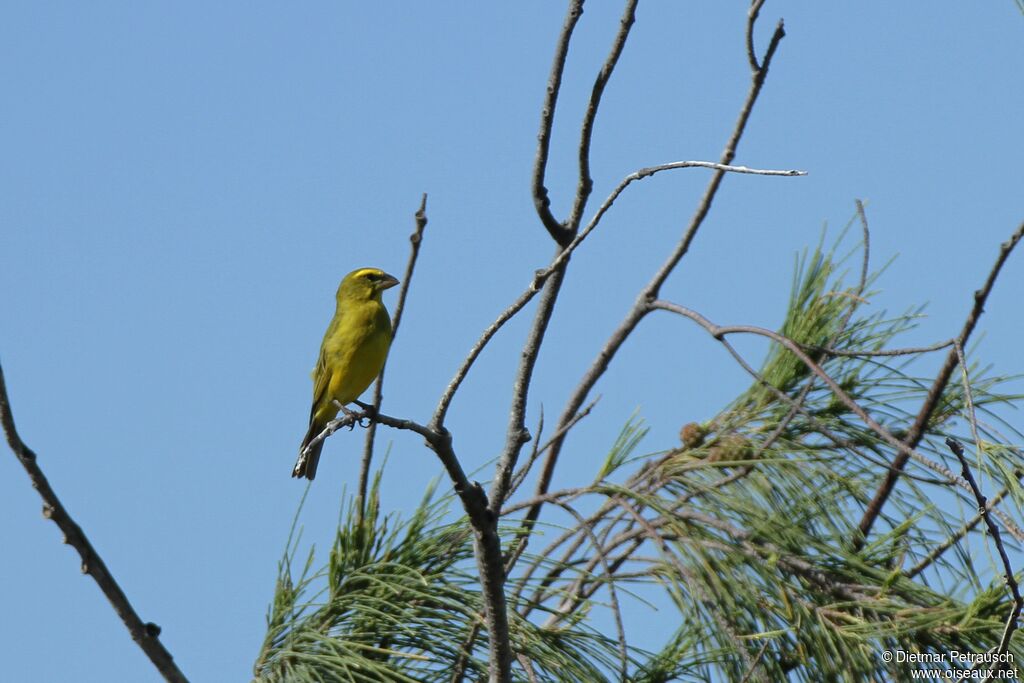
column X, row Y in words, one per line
column 185, row 184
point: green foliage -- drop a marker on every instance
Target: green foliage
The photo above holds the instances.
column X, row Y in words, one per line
column 625, row 444
column 748, row 533
column 400, row 603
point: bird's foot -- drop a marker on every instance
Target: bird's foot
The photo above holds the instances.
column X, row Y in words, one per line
column 351, row 414
column 369, row 413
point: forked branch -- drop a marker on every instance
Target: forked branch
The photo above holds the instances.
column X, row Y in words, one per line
column 650, row 291
column 541, row 201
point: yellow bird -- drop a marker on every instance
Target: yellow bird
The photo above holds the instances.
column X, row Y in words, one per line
column 351, row 356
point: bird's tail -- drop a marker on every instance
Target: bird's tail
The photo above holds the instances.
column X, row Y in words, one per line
column 305, row 466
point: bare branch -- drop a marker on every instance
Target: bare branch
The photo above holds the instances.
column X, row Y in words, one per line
column 612, row 592
column 755, row 10
column 724, row 167
column 650, row 291
column 908, row 351
column 719, row 332
column 465, row 651
column 348, row 419
column 516, row 434
column 757, row 550
column 527, row 665
column 586, row 183
column 520, row 475
column 983, row 508
column 917, row 430
column 751, row 670
column 939, row 550
column 712, row 602
column 635, row 481
column 972, row 417
column 146, row 635
column 541, row 276
column 541, row 201
column 415, row 239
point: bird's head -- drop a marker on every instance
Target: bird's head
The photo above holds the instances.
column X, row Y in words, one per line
column 364, row 284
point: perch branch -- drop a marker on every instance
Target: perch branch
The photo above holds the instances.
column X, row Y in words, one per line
column 486, row 542
column 415, row 239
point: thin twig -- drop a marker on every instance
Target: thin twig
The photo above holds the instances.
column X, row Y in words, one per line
column 755, row 10
column 636, row 480
column 146, row 635
column 972, row 418
column 541, row 201
column 539, row 450
column 720, row 332
column 610, row 504
column 753, row 548
column 798, row 402
column 600, row 557
column 606, row 507
column 918, row 429
column 612, row 593
column 865, row 263
column 520, row 475
column 650, row 291
column 724, row 167
column 516, row 434
column 559, row 497
column 586, row 183
column 700, row 590
column 527, row 665
column 349, row 419
column 415, row 239
column 465, row 652
column 635, row 538
column 1011, row 581
column 764, row 647
column 541, row 276
column 906, row 351
column 939, row 550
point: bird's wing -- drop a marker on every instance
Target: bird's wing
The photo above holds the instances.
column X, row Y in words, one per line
column 321, row 380
column 321, row 373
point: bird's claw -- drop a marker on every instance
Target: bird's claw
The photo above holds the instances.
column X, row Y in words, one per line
column 369, row 413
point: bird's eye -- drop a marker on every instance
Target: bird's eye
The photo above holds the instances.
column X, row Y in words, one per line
column 373, row 277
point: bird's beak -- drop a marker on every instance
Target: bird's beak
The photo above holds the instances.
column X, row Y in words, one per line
column 388, row 282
